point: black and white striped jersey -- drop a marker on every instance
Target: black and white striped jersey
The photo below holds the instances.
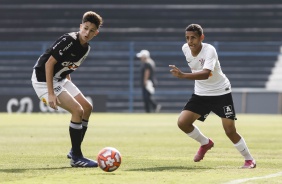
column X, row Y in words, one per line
column 69, row 54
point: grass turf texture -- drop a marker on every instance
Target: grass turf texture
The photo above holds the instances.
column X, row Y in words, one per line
column 33, row 149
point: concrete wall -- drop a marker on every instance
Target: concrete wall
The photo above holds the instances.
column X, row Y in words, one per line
column 257, row 101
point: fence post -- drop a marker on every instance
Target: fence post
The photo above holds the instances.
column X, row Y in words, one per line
column 131, row 77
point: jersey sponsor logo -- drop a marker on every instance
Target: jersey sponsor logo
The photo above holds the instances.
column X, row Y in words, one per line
column 70, row 65
column 228, row 111
column 68, row 46
column 61, row 52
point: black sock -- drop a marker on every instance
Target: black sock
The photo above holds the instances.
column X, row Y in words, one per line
column 75, row 131
column 84, row 128
column 83, row 132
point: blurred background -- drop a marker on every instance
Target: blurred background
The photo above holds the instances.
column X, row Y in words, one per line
column 246, row 34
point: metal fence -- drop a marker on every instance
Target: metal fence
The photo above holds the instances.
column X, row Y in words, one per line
column 127, row 51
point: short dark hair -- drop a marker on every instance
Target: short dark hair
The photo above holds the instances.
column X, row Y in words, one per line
column 92, row 17
column 195, row 28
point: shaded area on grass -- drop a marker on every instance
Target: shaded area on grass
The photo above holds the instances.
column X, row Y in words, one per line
column 170, row 168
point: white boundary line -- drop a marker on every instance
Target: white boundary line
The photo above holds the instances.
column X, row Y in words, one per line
column 254, row 178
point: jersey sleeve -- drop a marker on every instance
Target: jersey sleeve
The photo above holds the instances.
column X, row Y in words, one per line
column 211, row 58
column 61, row 47
column 184, row 49
column 147, row 66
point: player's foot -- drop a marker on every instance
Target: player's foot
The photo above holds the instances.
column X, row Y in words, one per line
column 202, row 151
column 158, row 108
column 82, row 162
column 249, row 164
column 69, row 155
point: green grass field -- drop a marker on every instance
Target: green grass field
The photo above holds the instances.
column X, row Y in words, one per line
column 33, row 150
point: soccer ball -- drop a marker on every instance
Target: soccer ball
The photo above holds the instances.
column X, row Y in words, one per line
column 109, row 159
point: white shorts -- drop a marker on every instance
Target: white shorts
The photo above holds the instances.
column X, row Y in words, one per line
column 42, row 90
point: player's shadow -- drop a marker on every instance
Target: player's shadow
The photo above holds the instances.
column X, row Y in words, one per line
column 30, row 169
column 171, row 168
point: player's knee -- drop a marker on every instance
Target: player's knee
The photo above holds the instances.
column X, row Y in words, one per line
column 78, row 111
column 88, row 108
column 185, row 125
column 181, row 123
column 230, row 132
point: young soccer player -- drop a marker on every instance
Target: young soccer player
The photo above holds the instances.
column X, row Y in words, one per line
column 52, row 82
column 212, row 92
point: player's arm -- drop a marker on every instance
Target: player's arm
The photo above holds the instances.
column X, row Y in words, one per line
column 68, row 77
column 49, row 67
column 202, row 75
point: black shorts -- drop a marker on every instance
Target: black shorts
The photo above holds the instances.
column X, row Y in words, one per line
column 220, row 105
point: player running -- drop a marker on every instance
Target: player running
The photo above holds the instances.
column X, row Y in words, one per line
column 52, row 82
column 212, row 92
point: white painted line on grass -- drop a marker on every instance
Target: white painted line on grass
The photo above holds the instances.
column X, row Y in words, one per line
column 255, row 178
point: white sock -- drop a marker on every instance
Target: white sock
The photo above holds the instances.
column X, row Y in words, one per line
column 77, row 126
column 198, row 136
column 84, row 123
column 242, row 147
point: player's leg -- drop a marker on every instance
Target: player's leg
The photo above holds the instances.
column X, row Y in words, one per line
column 75, row 129
column 239, row 142
column 68, row 103
column 186, row 120
column 85, row 104
column 87, row 108
column 196, row 108
column 230, row 130
column 185, row 123
column 224, row 108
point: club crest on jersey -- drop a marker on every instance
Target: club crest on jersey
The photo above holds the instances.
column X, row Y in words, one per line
column 202, row 61
column 228, row 111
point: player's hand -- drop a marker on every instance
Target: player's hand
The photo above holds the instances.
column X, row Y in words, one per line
column 53, row 101
column 176, row 71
